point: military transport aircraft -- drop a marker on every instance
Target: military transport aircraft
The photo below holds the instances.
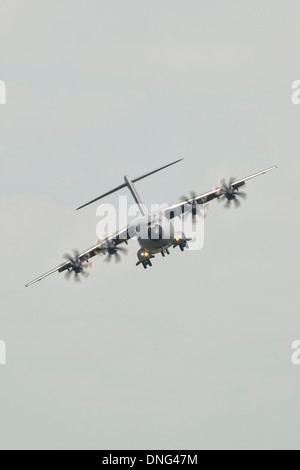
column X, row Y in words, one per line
column 155, row 232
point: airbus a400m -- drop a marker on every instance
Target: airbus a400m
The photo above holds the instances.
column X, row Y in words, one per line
column 154, row 232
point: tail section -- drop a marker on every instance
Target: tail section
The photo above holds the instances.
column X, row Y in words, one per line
column 129, row 183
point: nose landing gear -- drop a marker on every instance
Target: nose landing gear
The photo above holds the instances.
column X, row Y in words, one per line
column 144, row 258
column 147, row 263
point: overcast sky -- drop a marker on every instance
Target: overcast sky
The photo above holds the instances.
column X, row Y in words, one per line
column 195, row 352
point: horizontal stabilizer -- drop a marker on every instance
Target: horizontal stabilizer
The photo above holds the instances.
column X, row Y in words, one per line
column 103, row 195
column 124, row 184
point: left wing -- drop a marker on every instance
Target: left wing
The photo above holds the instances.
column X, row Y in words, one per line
column 178, row 209
column 120, row 237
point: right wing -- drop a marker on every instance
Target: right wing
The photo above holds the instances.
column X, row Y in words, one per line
column 178, row 209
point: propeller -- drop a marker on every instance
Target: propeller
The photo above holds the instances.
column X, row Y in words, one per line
column 196, row 207
column 112, row 249
column 231, row 194
column 76, row 266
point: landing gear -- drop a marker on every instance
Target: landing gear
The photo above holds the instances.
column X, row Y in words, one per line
column 163, row 252
column 182, row 245
column 181, row 241
column 147, row 263
column 144, row 258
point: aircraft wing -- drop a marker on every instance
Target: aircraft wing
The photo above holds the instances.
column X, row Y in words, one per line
column 178, row 209
column 120, row 237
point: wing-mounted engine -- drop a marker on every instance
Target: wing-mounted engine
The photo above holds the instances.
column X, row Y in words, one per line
column 230, row 193
column 76, row 266
column 113, row 250
column 195, row 207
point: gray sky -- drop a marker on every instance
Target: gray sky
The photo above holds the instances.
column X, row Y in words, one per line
column 196, row 352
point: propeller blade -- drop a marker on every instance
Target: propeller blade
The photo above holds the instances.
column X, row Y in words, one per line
column 122, row 249
column 118, row 257
column 237, row 203
column 242, row 194
column 232, row 179
column 228, row 193
column 67, row 276
column 85, row 274
column 108, row 258
column 77, row 266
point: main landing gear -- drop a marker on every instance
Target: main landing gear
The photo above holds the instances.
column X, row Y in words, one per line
column 182, row 242
column 182, row 245
column 147, row 263
column 145, row 256
column 163, row 252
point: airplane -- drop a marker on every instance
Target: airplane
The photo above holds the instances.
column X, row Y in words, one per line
column 154, row 232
